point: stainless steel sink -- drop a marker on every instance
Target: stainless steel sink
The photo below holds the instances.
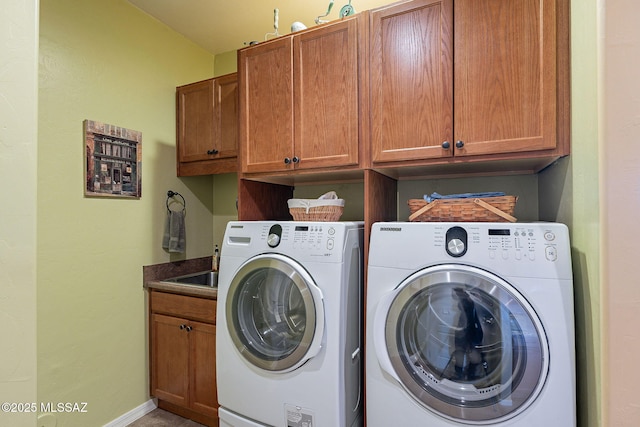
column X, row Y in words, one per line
column 202, row 278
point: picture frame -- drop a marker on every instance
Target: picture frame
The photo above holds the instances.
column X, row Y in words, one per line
column 113, row 160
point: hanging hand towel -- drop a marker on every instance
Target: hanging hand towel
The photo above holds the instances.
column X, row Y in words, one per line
column 174, row 233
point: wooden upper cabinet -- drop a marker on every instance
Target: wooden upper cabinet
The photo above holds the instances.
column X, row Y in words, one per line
column 195, row 121
column 411, row 80
column 505, row 76
column 225, row 92
column 207, row 123
column 326, row 96
column 266, row 105
column 299, row 100
column 463, row 78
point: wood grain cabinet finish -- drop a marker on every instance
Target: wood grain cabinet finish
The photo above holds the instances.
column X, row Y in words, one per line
column 464, row 78
column 182, row 352
column 411, row 80
column 207, row 126
column 299, row 100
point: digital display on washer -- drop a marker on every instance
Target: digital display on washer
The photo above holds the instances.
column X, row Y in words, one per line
column 499, row 232
column 302, row 228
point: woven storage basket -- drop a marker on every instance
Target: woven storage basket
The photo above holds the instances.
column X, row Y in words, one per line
column 324, row 210
column 485, row 209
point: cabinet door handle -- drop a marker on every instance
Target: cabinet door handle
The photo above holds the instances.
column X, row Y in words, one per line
column 296, row 159
column 189, row 328
column 446, row 145
column 287, row 160
column 182, row 327
column 211, row 152
column 459, row 144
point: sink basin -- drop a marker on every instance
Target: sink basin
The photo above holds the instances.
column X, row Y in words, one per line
column 202, row 278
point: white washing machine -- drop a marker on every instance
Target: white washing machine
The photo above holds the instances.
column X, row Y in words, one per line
column 289, row 330
column 470, row 324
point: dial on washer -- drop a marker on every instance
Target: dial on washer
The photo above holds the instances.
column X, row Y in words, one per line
column 456, row 241
column 275, row 233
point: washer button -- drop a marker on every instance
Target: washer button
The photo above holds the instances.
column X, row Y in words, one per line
column 549, row 236
column 330, row 244
column 550, row 253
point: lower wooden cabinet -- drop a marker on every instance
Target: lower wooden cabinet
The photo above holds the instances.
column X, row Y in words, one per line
column 182, row 350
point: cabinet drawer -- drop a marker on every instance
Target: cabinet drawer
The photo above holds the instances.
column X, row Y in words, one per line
column 184, row 306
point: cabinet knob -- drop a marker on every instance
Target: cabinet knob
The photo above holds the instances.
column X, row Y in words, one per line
column 446, row 145
column 296, row 159
column 459, row 144
column 211, row 152
column 287, row 160
column 182, row 327
column 188, row 328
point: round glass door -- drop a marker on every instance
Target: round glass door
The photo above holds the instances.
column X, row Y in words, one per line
column 274, row 313
column 465, row 344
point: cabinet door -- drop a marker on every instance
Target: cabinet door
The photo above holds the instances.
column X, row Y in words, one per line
column 266, row 106
column 195, row 135
column 411, row 80
column 170, row 359
column 225, row 90
column 505, row 76
column 202, row 392
column 326, row 96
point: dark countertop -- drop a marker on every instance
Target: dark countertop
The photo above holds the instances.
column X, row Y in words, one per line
column 154, row 275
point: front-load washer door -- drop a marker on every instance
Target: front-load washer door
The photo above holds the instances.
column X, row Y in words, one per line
column 463, row 342
column 275, row 313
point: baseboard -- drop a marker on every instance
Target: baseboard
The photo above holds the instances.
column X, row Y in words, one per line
column 134, row 414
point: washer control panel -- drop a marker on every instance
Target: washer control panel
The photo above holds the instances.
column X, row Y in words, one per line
column 512, row 242
column 311, row 238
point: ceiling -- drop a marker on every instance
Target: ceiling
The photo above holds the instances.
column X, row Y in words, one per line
column 221, row 26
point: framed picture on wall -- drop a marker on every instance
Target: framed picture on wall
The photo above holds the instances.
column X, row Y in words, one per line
column 114, row 160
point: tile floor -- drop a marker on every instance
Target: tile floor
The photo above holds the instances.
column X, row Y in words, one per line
column 161, row 418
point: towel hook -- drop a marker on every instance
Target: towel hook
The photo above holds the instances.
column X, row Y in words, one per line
column 171, row 195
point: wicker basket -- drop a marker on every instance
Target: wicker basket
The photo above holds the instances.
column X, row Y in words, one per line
column 323, row 210
column 485, row 209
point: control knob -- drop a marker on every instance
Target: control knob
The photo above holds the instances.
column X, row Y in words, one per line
column 455, row 247
column 274, row 236
column 273, row 240
column 456, row 241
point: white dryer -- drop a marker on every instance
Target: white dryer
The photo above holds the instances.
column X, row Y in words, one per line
column 470, row 324
column 289, row 327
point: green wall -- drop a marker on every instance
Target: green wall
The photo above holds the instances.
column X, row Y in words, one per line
column 105, row 60
column 569, row 193
column 18, row 168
